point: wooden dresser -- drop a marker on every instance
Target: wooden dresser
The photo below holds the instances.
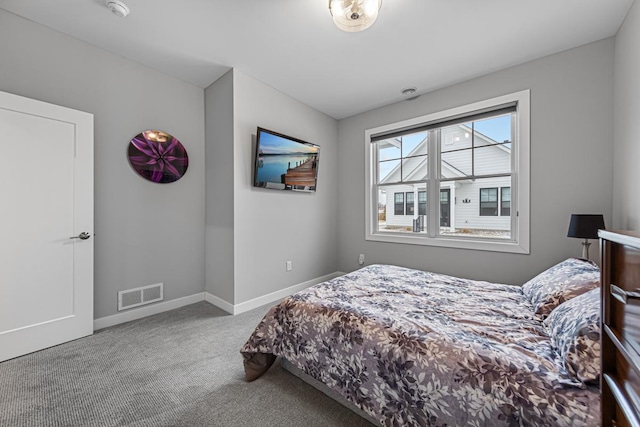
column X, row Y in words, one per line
column 620, row 326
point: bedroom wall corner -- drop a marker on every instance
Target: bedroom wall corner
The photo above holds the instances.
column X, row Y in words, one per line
column 219, row 227
column 626, row 194
column 571, row 164
column 145, row 233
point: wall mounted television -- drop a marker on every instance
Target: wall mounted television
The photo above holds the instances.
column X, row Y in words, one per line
column 285, row 163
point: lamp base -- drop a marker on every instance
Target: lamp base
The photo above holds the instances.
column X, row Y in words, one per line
column 585, row 249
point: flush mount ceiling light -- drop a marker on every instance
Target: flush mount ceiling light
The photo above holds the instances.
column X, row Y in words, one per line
column 118, row 8
column 354, row 15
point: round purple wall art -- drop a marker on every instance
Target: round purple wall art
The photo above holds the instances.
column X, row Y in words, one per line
column 158, row 156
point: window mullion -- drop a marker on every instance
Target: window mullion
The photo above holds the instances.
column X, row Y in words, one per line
column 433, row 184
column 473, row 148
column 401, row 161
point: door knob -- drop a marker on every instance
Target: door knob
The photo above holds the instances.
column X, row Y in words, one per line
column 82, row 236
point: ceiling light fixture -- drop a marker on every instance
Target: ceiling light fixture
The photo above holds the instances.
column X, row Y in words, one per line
column 354, row 15
column 118, row 8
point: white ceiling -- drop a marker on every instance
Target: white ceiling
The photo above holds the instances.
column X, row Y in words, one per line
column 293, row 45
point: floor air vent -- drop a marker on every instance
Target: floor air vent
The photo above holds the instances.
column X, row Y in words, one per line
column 140, row 296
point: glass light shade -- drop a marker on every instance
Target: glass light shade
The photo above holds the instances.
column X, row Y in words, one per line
column 354, row 15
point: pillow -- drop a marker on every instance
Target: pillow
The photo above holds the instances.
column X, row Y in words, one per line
column 560, row 283
column 574, row 328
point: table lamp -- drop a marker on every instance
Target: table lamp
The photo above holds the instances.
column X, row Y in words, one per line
column 585, row 227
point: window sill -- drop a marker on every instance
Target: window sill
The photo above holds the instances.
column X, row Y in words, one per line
column 508, row 246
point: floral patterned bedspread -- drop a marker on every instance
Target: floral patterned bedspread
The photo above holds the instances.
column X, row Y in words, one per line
column 413, row 348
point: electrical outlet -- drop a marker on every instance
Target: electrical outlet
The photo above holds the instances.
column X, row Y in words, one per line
column 289, row 266
column 361, row 259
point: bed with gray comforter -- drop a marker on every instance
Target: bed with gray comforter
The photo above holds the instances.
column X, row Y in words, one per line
column 410, row 347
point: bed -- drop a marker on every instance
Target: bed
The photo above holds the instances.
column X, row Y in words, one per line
column 408, row 347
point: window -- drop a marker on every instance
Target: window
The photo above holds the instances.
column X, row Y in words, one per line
column 409, row 207
column 505, row 201
column 445, row 207
column 422, row 202
column 488, row 202
column 468, row 166
column 398, row 204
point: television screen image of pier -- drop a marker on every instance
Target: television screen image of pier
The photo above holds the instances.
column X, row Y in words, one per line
column 295, row 169
column 302, row 173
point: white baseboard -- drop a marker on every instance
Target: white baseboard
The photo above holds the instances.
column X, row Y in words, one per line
column 269, row 298
column 139, row 313
column 219, row 302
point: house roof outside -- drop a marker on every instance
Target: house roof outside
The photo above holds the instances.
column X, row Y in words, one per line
column 414, row 168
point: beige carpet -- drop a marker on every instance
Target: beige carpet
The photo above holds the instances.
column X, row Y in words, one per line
column 179, row 368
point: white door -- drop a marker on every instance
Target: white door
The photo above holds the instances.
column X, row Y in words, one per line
column 46, row 202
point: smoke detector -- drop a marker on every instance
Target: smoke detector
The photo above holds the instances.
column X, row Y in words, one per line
column 409, row 91
column 118, row 8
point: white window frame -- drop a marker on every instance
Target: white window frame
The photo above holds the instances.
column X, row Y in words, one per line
column 520, row 198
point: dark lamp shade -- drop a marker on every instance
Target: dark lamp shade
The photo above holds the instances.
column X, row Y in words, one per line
column 585, row 226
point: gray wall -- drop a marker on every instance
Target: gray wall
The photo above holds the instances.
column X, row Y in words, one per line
column 273, row 226
column 145, row 233
column 148, row 233
column 269, row 227
column 626, row 193
column 219, row 259
column 571, row 164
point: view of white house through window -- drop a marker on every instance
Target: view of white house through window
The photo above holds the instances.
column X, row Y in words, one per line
column 402, row 171
column 475, row 164
column 454, row 177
